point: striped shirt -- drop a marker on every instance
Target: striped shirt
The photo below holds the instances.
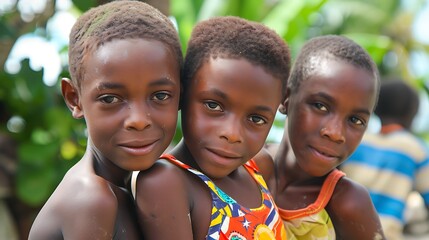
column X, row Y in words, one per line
column 390, row 166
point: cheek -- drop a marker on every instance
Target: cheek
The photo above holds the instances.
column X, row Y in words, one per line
column 195, row 121
column 255, row 140
column 300, row 122
column 165, row 120
column 353, row 140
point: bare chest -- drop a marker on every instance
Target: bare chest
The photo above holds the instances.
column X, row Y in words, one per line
column 294, row 198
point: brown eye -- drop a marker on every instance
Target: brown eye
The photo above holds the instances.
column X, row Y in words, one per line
column 213, row 106
column 357, row 121
column 321, row 107
column 161, row 96
column 109, row 99
column 257, row 120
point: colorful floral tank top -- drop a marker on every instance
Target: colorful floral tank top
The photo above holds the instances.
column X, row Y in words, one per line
column 229, row 220
column 313, row 222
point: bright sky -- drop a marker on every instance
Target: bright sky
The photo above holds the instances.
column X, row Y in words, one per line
column 41, row 52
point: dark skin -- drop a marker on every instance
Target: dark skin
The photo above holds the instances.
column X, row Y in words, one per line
column 129, row 100
column 323, row 127
column 223, row 128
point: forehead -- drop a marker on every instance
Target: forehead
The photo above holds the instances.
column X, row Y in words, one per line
column 134, row 55
column 130, row 63
column 239, row 74
column 236, row 81
column 341, row 80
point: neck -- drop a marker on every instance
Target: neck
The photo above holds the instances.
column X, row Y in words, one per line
column 104, row 168
column 391, row 127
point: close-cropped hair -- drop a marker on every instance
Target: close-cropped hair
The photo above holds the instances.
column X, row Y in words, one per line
column 118, row 20
column 330, row 47
column 237, row 38
column 397, row 100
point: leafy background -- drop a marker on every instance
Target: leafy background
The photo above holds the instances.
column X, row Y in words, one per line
column 40, row 141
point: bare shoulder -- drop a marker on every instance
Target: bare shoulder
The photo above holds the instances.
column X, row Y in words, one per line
column 161, row 174
column 349, row 196
column 353, row 213
column 164, row 198
column 94, row 193
column 163, row 180
column 76, row 200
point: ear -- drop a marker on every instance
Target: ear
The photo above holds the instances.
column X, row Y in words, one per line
column 283, row 107
column 71, row 97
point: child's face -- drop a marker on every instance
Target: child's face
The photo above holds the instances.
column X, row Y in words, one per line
column 129, row 99
column 328, row 115
column 227, row 114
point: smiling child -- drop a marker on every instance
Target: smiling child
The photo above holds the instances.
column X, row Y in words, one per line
column 125, row 62
column 331, row 95
column 235, row 77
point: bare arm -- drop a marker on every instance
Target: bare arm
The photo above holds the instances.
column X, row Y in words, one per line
column 353, row 214
column 163, row 205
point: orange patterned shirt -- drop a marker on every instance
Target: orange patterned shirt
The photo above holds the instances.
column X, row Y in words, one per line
column 230, row 220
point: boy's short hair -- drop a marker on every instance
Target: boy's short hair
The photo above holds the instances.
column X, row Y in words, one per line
column 397, row 100
column 234, row 37
column 118, row 20
column 330, row 47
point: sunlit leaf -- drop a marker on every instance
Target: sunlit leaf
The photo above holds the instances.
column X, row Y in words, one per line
column 376, row 45
column 69, row 150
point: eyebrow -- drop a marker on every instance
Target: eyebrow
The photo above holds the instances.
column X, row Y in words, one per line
column 331, row 99
column 224, row 96
column 111, row 85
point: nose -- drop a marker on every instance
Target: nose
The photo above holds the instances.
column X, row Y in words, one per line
column 138, row 117
column 334, row 130
column 231, row 130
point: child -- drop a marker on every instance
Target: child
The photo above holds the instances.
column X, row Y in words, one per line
column 393, row 162
column 331, row 94
column 235, row 75
column 125, row 61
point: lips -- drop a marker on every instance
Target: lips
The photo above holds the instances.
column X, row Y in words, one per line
column 137, row 147
column 224, row 154
column 326, row 153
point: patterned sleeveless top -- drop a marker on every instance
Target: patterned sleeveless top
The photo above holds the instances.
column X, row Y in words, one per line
column 313, row 222
column 229, row 220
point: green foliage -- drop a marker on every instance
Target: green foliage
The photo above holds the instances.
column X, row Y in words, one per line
column 84, row 5
column 46, row 126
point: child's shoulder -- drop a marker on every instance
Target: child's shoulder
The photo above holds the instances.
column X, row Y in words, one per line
column 162, row 168
column 86, row 191
column 348, row 192
column 350, row 205
column 162, row 175
column 81, row 190
column 349, row 196
column 77, row 199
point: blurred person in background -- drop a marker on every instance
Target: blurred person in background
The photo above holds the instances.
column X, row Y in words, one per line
column 393, row 162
